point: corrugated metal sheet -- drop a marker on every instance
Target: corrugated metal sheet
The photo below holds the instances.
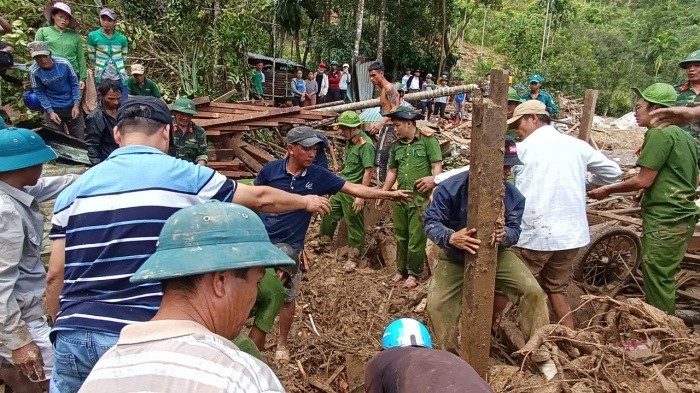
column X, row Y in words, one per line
column 279, row 61
column 363, row 83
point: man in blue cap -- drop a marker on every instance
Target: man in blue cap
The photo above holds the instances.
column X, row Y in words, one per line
column 107, row 223
column 24, row 335
column 536, row 93
column 209, row 261
column 445, row 223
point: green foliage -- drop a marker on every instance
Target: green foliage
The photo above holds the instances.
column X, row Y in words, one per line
column 606, row 45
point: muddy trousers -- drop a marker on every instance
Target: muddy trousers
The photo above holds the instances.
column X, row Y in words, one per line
column 513, row 278
column 410, row 238
column 387, row 136
column 663, row 248
column 341, row 207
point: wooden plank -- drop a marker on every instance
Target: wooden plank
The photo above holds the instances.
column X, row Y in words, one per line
column 617, row 217
column 225, row 96
column 259, row 154
column 234, row 144
column 694, row 242
column 280, row 112
column 484, row 211
column 237, row 174
column 201, row 101
column 589, row 103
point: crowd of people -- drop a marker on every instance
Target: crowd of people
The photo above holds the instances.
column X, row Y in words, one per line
column 157, row 261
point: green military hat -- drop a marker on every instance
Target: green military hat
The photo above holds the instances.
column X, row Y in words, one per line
column 404, row 113
column 399, row 86
column 184, row 105
column 513, row 96
column 22, row 148
column 658, row 93
column 694, row 57
column 349, row 119
column 210, row 237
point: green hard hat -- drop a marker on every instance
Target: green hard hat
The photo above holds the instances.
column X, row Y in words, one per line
column 210, row 237
column 514, row 96
column 21, row 148
column 658, row 93
column 692, row 58
column 289, row 251
column 184, row 105
column 349, row 119
column 404, row 113
column 398, row 86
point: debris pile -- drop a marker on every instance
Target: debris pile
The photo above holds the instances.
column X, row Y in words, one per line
column 225, row 124
column 634, row 348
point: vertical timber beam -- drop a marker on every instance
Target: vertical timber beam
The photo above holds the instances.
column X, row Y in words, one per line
column 589, row 103
column 484, row 209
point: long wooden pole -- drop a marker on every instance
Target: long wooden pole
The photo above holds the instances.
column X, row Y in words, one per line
column 408, row 97
column 484, row 212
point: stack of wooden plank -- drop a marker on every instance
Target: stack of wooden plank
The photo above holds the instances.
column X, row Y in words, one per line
column 225, row 123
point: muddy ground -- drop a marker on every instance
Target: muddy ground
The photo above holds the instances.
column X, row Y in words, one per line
column 341, row 316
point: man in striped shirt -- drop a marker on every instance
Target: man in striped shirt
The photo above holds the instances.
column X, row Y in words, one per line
column 186, row 347
column 107, row 224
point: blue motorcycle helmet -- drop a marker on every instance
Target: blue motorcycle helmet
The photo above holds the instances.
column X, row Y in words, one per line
column 406, row 332
column 31, row 101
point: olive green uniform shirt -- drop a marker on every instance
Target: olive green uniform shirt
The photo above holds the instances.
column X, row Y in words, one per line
column 359, row 155
column 149, row 88
column 190, row 144
column 413, row 159
column 671, row 197
column 688, row 97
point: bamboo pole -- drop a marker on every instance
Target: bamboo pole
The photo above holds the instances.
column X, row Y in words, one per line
column 408, row 97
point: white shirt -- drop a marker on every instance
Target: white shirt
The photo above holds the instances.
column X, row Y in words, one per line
column 404, row 80
column 553, row 180
column 344, row 80
column 415, row 83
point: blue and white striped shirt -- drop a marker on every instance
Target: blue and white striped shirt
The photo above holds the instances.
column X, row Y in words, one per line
column 110, row 219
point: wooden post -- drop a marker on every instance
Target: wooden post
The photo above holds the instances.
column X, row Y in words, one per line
column 584, row 132
column 485, row 201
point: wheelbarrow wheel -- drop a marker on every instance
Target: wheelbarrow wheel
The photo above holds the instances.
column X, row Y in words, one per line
column 611, row 257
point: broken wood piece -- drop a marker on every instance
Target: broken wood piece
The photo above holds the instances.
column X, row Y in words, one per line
column 225, row 96
column 629, row 220
column 321, row 385
column 233, row 143
column 335, row 374
column 301, row 369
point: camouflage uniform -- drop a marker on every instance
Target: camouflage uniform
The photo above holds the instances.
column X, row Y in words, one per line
column 191, row 143
column 687, row 97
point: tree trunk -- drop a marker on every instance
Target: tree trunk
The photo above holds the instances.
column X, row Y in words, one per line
column 309, row 31
column 380, row 35
column 298, row 47
column 358, row 32
column 443, row 36
column 216, row 6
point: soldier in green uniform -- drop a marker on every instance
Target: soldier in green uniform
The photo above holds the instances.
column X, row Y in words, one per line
column 415, row 155
column 358, row 168
column 689, row 92
column 190, row 139
column 668, row 175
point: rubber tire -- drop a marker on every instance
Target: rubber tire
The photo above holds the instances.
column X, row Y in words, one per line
column 596, row 238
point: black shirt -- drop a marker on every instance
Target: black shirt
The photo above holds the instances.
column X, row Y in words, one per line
column 421, row 370
column 99, row 135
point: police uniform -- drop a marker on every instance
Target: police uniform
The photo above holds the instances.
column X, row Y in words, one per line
column 413, row 161
column 688, row 97
column 359, row 155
